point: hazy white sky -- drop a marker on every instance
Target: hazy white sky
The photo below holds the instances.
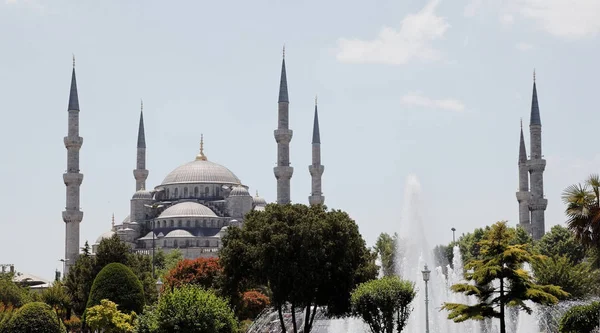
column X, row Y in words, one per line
column 430, row 88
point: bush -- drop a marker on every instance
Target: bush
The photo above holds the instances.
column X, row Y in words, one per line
column 6, row 313
column 580, row 318
column 11, row 293
column 35, row 317
column 116, row 282
column 252, row 303
column 200, row 271
column 73, row 324
column 188, row 309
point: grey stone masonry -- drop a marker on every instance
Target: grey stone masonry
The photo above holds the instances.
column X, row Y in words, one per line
column 536, row 165
column 316, row 169
column 283, row 135
column 140, row 173
column 72, row 215
column 523, row 195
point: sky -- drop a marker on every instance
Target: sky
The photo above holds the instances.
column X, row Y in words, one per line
column 428, row 89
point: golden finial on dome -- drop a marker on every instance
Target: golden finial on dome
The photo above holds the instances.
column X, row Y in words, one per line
column 201, row 157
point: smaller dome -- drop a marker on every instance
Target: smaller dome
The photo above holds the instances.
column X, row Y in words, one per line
column 178, row 234
column 143, row 194
column 187, row 209
column 105, row 235
column 235, row 223
column 239, row 191
column 222, row 232
column 148, row 236
column 259, row 201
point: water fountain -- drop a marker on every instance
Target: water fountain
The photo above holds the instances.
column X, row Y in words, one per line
column 413, row 253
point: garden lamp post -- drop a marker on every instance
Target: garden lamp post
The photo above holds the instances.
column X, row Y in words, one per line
column 159, row 285
column 154, row 208
column 426, row 273
column 64, row 261
column 453, row 230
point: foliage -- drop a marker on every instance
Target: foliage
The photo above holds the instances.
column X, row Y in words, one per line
column 116, row 282
column 252, row 304
column 308, row 257
column 111, row 250
column 500, row 261
column 141, row 265
column 35, row 317
column 56, row 296
column 108, row 319
column 12, row 293
column 468, row 245
column 199, row 271
column 583, row 211
column 579, row 280
column 559, row 242
column 163, row 263
column 6, row 313
column 581, row 318
column 78, row 281
column 384, row 304
column 188, row 309
column 73, row 324
column 386, row 246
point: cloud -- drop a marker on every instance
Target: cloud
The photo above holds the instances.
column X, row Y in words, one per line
column 524, row 46
column 472, row 7
column 417, row 99
column 561, row 18
column 412, row 41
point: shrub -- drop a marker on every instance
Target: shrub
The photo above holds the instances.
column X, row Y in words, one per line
column 580, row 318
column 6, row 313
column 11, row 293
column 200, row 271
column 252, row 303
column 108, row 319
column 116, row 282
column 35, row 317
column 73, row 324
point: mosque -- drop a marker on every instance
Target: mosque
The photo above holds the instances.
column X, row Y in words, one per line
column 195, row 203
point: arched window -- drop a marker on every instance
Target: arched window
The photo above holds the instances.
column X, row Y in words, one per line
column 176, row 192
column 175, row 243
column 217, row 191
column 187, row 243
column 207, row 243
column 172, row 223
column 185, row 192
column 165, row 243
column 187, row 224
column 196, row 191
column 206, row 191
column 204, row 224
column 167, row 193
column 198, row 243
column 197, row 224
column 179, row 223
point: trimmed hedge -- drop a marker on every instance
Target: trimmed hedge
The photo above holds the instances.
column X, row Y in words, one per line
column 35, row 317
column 118, row 283
column 580, row 318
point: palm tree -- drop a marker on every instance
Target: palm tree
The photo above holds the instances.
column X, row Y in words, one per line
column 583, row 211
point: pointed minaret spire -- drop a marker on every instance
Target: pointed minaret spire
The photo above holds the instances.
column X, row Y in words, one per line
column 316, row 169
column 522, row 150
column 201, row 156
column 283, row 135
column 523, row 194
column 535, row 109
column 72, row 215
column 140, row 173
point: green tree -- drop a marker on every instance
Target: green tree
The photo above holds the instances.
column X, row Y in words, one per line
column 559, row 242
column 502, row 262
column 111, row 250
column 78, row 281
column 308, row 257
column 6, row 313
column 384, row 304
column 35, row 317
column 580, row 318
column 386, row 246
column 116, row 282
column 583, row 210
column 11, row 293
column 163, row 263
column 106, row 318
column 188, row 309
column 579, row 280
column 141, row 265
column 57, row 297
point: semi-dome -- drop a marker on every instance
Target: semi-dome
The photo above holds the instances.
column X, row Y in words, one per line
column 187, row 209
column 142, row 194
column 179, row 234
column 259, row 201
column 105, row 235
column 201, row 171
column 239, row 191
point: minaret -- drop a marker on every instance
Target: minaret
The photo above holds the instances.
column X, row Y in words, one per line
column 140, row 173
column 537, row 165
column 283, row 135
column 523, row 194
column 316, row 169
column 72, row 216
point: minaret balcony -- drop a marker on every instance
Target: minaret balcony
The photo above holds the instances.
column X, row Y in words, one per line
column 70, row 216
column 283, row 136
column 72, row 178
column 140, row 174
column 523, row 196
column 316, row 200
column 536, row 164
column 283, row 172
column 73, row 142
column 538, row 204
column 316, row 170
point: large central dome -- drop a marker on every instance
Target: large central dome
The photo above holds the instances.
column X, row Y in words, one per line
column 201, row 171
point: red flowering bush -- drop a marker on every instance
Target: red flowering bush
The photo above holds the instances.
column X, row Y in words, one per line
column 252, row 303
column 200, row 271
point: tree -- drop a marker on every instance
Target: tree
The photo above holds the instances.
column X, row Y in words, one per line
column 56, row 296
column 580, row 318
column 502, row 262
column 78, row 281
column 199, row 271
column 35, row 317
column 308, row 257
column 108, row 319
column 11, row 293
column 560, row 241
column 163, row 263
column 116, row 282
column 6, row 313
column 188, row 309
column 579, row 280
column 111, row 250
column 583, row 211
column 384, row 304
column 386, row 247
column 252, row 304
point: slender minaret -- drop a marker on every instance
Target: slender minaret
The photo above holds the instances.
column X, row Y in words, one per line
column 72, row 216
column 537, row 165
column 316, row 169
column 523, row 194
column 283, row 135
column 140, row 173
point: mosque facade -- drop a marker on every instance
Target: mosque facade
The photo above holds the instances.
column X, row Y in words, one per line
column 195, row 203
